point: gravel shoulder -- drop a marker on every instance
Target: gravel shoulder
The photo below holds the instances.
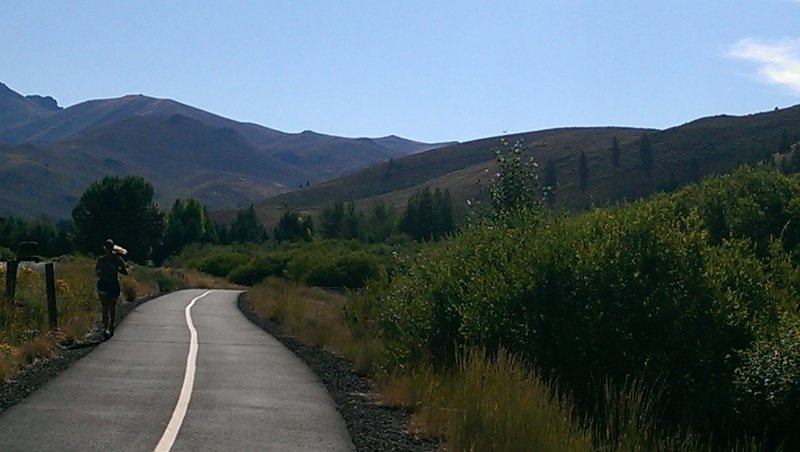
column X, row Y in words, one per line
column 371, row 426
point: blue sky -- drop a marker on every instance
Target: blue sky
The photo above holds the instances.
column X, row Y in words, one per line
column 423, row 69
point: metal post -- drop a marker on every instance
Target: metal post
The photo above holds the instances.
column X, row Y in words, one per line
column 11, row 280
column 50, row 285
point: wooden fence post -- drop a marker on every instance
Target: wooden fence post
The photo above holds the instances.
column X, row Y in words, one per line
column 50, row 286
column 11, row 280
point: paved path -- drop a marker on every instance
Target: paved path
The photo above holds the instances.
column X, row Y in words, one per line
column 248, row 392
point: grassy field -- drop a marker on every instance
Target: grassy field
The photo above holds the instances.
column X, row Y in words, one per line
column 25, row 335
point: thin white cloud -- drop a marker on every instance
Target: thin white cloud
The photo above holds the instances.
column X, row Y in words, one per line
column 778, row 61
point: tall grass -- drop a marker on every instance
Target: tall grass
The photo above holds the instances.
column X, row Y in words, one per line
column 311, row 314
column 489, row 403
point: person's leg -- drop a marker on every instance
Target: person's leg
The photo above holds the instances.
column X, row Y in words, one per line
column 112, row 315
column 105, row 312
column 108, row 318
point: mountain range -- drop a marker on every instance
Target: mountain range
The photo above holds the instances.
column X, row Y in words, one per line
column 49, row 154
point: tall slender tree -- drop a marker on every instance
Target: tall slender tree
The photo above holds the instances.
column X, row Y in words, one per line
column 246, row 228
column 187, row 222
column 428, row 215
column 381, row 221
column 294, row 227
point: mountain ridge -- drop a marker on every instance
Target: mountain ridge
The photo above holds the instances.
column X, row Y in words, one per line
column 680, row 154
column 241, row 162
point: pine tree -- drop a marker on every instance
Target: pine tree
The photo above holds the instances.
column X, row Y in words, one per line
column 381, row 222
column 187, row 222
column 331, row 219
column 428, row 215
column 294, row 227
column 246, row 228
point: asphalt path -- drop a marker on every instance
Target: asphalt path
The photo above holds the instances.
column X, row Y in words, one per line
column 157, row 385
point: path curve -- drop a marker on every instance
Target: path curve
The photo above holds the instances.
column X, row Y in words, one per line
column 249, row 392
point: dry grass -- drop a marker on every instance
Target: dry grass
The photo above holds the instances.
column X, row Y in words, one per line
column 199, row 280
column 130, row 289
column 38, row 348
column 8, row 364
column 311, row 314
column 487, row 404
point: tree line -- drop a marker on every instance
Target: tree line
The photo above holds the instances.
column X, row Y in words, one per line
column 124, row 208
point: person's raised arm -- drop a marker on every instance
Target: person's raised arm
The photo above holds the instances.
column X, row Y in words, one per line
column 121, row 265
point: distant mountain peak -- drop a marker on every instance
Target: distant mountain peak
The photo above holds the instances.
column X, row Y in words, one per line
column 18, row 109
column 47, row 102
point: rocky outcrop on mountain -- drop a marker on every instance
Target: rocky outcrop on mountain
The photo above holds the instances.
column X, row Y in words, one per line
column 44, row 101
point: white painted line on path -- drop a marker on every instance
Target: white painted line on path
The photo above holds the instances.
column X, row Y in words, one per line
column 171, row 432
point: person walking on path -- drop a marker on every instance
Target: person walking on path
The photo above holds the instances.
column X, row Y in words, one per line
column 108, row 266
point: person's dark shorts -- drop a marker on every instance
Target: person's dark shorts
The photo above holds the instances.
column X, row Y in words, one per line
column 109, row 289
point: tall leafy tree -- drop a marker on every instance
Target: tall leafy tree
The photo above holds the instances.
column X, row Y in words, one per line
column 444, row 221
column 187, row 222
column 294, row 227
column 341, row 220
column 121, row 208
column 331, row 219
column 515, row 187
column 53, row 240
column 381, row 221
column 428, row 215
column 246, row 228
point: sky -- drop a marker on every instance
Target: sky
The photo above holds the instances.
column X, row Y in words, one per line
column 427, row 70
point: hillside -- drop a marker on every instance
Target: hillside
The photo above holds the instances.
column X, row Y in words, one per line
column 182, row 150
column 17, row 109
column 457, row 168
column 680, row 155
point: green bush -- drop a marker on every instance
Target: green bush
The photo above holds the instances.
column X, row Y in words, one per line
column 258, row 269
column 7, row 254
column 680, row 291
column 349, row 271
column 220, row 263
column 767, row 384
